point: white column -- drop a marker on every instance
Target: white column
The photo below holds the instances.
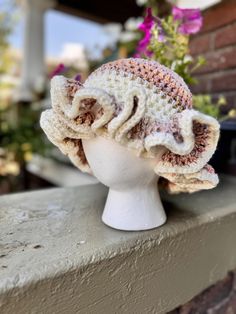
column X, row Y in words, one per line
column 33, row 66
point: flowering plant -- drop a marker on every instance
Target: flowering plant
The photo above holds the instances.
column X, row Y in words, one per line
column 167, row 40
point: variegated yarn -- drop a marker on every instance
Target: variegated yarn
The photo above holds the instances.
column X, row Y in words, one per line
column 143, row 106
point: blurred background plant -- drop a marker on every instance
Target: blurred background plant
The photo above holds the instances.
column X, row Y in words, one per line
column 204, row 103
column 166, row 39
column 20, row 134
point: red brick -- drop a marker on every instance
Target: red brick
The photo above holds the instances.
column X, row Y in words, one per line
column 210, row 297
column 219, row 60
column 217, row 299
column 202, row 87
column 219, row 294
column 226, row 306
column 220, row 15
column 225, row 82
column 225, row 36
column 200, row 44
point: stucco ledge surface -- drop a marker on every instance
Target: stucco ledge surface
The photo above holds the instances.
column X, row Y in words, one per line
column 56, row 256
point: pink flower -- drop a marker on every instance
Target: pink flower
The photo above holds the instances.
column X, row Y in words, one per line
column 58, row 70
column 146, row 28
column 190, row 20
column 78, row 77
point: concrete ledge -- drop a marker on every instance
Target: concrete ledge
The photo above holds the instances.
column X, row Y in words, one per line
column 56, row 256
column 58, row 173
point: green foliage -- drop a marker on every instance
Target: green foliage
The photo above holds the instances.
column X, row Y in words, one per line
column 5, row 30
column 169, row 46
column 7, row 21
column 20, row 132
column 173, row 51
column 205, row 104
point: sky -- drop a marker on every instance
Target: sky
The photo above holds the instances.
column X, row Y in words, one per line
column 61, row 29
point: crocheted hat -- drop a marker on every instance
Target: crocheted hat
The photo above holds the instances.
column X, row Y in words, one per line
column 143, row 106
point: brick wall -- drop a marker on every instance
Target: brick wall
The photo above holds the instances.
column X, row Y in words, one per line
column 218, row 299
column 217, row 43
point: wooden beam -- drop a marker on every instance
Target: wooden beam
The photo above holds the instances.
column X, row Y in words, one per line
column 79, row 13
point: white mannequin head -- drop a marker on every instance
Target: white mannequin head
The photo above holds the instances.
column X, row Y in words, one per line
column 133, row 201
column 116, row 166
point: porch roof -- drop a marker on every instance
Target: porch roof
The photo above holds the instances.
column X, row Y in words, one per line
column 101, row 11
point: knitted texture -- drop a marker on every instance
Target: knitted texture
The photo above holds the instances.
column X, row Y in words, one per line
column 143, row 106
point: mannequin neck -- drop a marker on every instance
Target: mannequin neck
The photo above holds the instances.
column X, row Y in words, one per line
column 136, row 208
